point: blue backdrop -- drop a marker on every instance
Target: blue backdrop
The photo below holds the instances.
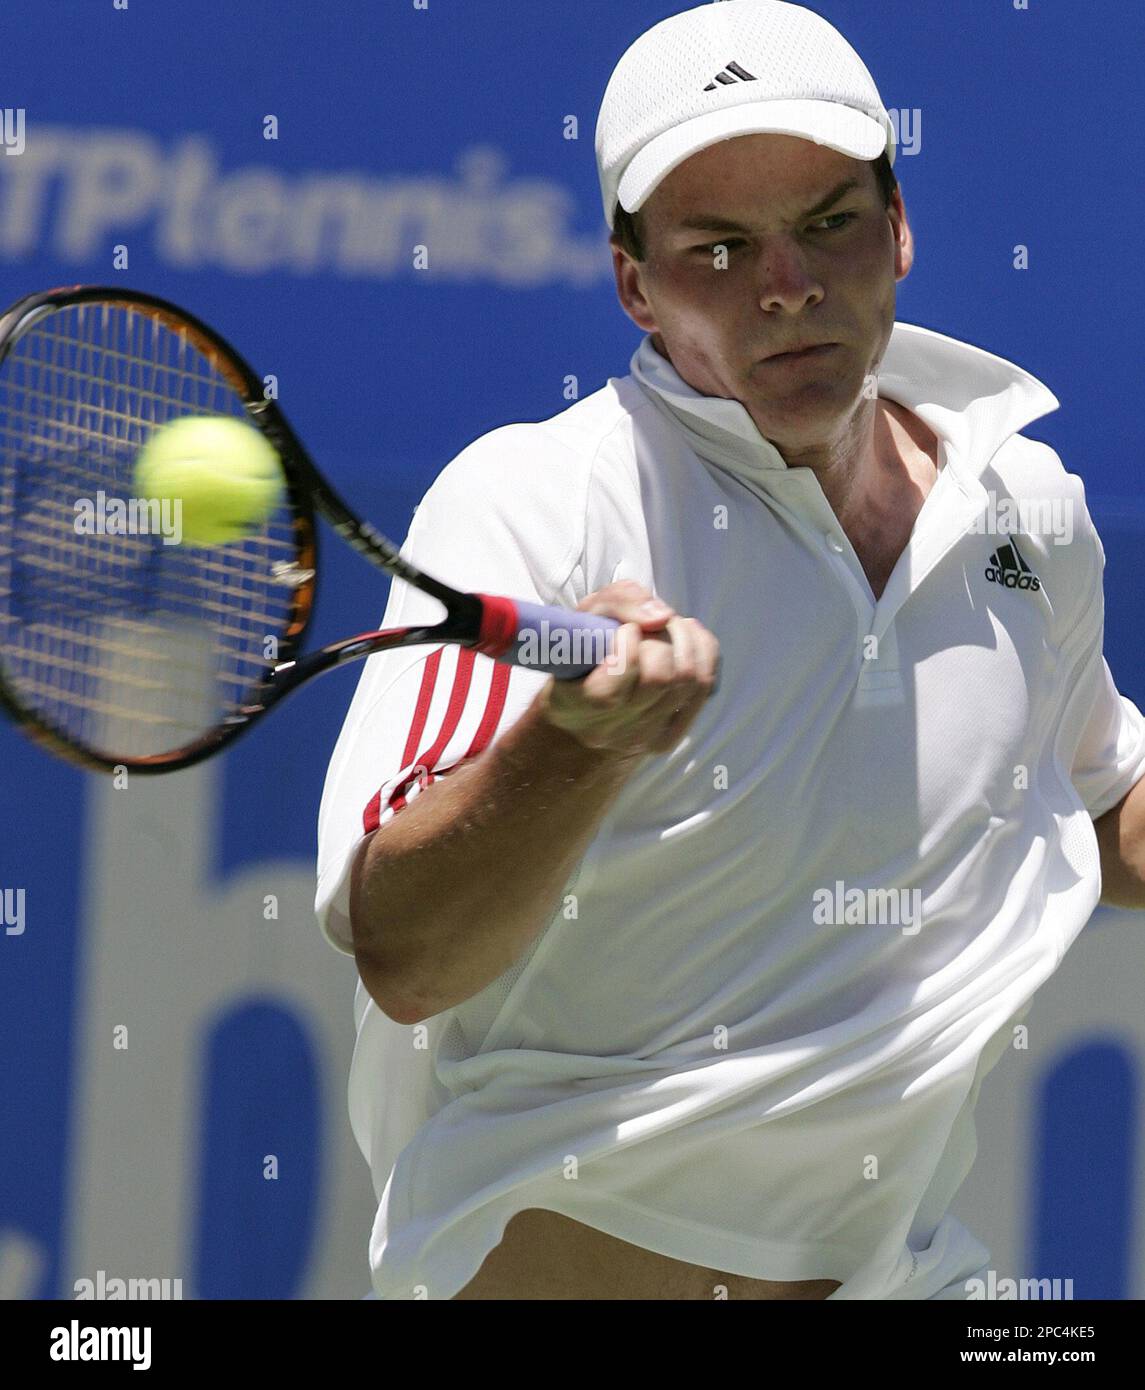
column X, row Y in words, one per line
column 173, row 1093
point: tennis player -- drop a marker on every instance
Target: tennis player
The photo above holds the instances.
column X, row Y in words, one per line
column 676, row 991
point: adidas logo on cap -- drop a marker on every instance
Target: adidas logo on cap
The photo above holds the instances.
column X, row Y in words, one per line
column 732, row 73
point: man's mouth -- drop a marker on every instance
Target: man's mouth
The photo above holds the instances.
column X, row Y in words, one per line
column 795, row 354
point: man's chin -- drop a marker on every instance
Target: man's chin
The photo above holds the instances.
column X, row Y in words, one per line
column 799, row 423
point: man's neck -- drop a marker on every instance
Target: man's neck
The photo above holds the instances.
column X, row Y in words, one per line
column 886, row 456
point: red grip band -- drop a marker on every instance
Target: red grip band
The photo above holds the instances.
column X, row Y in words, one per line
column 498, row 625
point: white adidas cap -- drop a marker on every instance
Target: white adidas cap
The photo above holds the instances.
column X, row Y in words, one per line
column 728, row 68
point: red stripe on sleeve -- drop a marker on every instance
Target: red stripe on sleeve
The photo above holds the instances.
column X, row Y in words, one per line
column 417, row 727
column 494, row 708
column 462, row 678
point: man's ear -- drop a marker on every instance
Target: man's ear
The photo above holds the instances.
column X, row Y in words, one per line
column 629, row 288
column 904, row 237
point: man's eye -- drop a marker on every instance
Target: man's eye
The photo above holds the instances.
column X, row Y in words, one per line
column 846, row 216
column 839, row 220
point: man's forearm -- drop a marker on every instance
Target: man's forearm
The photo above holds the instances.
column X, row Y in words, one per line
column 448, row 894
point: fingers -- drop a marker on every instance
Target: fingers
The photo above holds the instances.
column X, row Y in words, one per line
column 696, row 654
column 649, row 660
column 614, row 679
column 658, row 669
column 647, row 693
column 629, row 602
column 639, row 611
column 668, row 663
column 706, row 649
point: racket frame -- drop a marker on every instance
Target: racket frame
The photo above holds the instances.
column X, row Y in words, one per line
column 307, row 492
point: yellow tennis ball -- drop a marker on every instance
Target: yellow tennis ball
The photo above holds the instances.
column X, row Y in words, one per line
column 224, row 473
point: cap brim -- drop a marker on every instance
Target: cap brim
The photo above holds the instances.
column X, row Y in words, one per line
column 827, row 123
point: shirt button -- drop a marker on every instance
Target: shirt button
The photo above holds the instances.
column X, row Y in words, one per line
column 834, row 543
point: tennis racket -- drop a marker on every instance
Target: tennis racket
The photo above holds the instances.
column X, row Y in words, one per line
column 122, row 650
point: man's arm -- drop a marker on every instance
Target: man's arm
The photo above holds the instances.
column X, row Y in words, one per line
column 448, row 894
column 1121, row 842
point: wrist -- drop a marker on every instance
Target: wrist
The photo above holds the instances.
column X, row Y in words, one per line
column 566, row 748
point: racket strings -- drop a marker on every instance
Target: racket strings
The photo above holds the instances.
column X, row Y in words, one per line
column 115, row 638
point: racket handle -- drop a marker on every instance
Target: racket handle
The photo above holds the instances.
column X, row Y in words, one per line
column 555, row 641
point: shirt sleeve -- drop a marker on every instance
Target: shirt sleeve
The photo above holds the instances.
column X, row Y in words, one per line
column 489, row 523
column 1110, row 757
column 1105, row 728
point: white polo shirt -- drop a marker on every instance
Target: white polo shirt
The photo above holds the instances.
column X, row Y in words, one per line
column 753, row 1034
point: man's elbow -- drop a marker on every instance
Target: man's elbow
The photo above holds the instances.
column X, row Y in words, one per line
column 1121, row 848
column 380, row 979
column 399, row 1005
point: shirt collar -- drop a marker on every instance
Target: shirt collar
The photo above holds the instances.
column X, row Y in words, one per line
column 969, row 397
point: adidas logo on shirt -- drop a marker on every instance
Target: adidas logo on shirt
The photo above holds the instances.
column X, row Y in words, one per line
column 1007, row 568
column 732, row 73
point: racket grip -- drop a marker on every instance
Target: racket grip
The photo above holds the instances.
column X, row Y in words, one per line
column 555, row 641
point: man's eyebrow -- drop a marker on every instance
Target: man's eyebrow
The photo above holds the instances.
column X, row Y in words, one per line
column 707, row 222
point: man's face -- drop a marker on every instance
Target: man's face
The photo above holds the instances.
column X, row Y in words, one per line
column 801, row 266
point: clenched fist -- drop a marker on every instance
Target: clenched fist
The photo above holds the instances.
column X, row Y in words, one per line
column 643, row 698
